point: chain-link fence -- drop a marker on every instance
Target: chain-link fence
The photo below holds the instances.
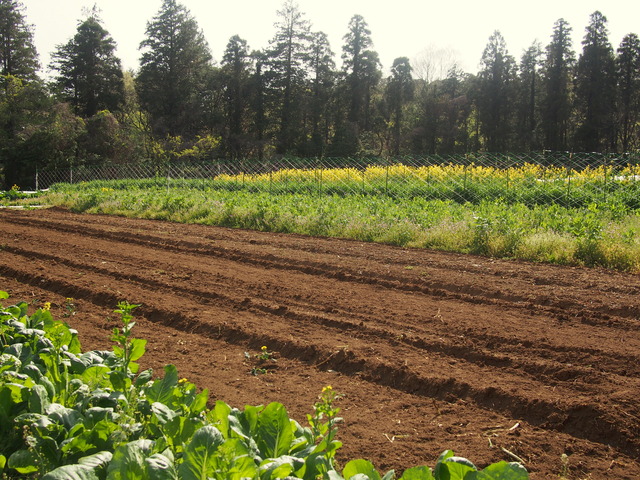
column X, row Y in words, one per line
column 536, row 178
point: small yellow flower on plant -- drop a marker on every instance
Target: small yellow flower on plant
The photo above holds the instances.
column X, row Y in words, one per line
column 183, row 380
column 46, row 306
column 326, row 389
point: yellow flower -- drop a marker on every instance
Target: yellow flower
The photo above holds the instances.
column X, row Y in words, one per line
column 47, row 306
column 183, row 380
column 327, row 389
column 264, row 348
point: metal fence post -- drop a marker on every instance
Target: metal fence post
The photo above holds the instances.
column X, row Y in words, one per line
column 568, row 185
column 386, row 177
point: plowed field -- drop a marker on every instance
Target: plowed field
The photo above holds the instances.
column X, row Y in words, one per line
column 491, row 358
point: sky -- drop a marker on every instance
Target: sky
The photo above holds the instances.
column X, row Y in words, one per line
column 450, row 30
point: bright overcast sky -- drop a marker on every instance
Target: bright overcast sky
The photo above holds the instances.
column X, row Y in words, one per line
column 398, row 27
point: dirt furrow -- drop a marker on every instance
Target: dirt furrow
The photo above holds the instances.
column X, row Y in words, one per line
column 414, row 328
column 437, row 378
column 464, row 283
column 483, row 338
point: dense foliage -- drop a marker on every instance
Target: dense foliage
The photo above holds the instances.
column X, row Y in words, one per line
column 94, row 416
column 289, row 97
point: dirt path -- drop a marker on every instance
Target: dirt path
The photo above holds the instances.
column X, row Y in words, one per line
column 432, row 350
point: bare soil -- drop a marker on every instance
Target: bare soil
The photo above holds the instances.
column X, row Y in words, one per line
column 494, row 359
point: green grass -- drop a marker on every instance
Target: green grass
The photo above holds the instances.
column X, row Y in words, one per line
column 604, row 234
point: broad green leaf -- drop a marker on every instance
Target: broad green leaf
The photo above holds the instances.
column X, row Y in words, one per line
column 19, row 392
column 237, row 460
column 333, row 475
column 277, row 469
column 119, row 380
column 74, row 343
column 24, row 461
column 456, row 468
column 199, row 402
column 181, row 429
column 63, row 415
column 417, row 473
column 9, row 362
column 3, row 295
column 163, row 413
column 6, row 407
column 274, row 431
column 96, row 376
column 38, row 399
column 144, row 377
column 390, row 475
column 220, row 416
column 137, row 349
column 72, row 472
column 440, row 470
column 46, row 383
column 280, row 467
column 134, row 367
column 94, row 415
column 48, row 452
column 37, row 419
column 199, row 461
column 98, row 461
column 360, row 467
column 160, row 467
column 33, row 371
column 128, row 461
column 19, row 350
column 501, row 471
column 97, row 438
column 462, row 461
column 162, row 389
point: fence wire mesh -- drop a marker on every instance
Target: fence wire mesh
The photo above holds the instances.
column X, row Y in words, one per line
column 537, row 178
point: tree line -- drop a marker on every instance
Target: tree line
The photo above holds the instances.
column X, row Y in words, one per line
column 290, row 97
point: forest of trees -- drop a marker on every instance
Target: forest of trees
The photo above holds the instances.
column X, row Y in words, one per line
column 291, row 98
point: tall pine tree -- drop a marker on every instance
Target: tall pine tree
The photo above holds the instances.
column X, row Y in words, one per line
column 557, row 79
column 89, row 74
column 288, row 61
column 362, row 73
column 399, row 92
column 22, row 96
column 528, row 93
column 18, row 56
column 595, row 89
column 235, row 68
column 628, row 74
column 175, row 70
column 496, row 95
column 321, row 92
